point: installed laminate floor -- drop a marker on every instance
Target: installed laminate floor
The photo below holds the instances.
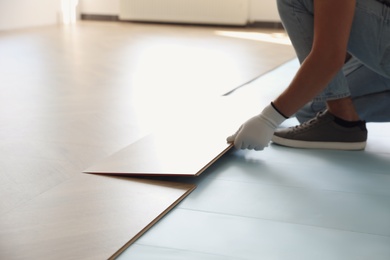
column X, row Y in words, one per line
column 281, row 203
column 73, row 95
column 65, row 106
column 87, row 217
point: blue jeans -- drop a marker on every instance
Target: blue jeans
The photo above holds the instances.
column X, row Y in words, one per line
column 366, row 76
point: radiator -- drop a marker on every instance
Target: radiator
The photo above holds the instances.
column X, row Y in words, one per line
column 225, row 12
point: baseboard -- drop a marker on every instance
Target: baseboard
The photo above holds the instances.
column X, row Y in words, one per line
column 100, row 17
column 266, row 25
column 115, row 18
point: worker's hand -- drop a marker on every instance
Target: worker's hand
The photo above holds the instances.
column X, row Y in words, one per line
column 256, row 133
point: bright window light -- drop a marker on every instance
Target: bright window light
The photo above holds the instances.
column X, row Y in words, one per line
column 69, row 11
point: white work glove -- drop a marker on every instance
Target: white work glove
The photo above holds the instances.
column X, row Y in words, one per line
column 256, row 133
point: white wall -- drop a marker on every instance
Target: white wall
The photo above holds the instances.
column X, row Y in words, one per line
column 103, row 7
column 15, row 14
column 263, row 10
column 260, row 10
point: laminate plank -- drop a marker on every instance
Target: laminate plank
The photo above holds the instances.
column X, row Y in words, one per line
column 192, row 137
column 161, row 156
column 186, row 143
column 88, row 217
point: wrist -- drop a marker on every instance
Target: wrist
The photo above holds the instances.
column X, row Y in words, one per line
column 272, row 115
column 273, row 105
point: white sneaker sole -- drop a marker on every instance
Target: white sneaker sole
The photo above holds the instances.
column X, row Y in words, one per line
column 356, row 146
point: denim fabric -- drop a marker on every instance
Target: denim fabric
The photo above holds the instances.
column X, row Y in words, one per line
column 365, row 77
column 386, row 2
column 370, row 93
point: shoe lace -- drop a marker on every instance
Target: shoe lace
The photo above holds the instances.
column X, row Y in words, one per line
column 308, row 123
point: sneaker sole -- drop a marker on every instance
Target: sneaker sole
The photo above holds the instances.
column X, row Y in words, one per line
column 356, row 146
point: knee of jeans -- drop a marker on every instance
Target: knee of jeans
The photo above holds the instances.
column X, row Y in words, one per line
column 303, row 116
column 385, row 62
column 309, row 111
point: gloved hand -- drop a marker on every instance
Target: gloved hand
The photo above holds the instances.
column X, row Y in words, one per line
column 256, row 133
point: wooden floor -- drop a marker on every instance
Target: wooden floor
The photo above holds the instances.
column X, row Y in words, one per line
column 72, row 96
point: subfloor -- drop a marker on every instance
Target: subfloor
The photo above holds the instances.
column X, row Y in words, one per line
column 281, row 203
column 72, row 96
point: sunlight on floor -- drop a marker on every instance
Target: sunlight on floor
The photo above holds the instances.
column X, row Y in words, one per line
column 278, row 38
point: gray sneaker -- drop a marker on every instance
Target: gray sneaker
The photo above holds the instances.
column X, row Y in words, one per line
column 322, row 132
